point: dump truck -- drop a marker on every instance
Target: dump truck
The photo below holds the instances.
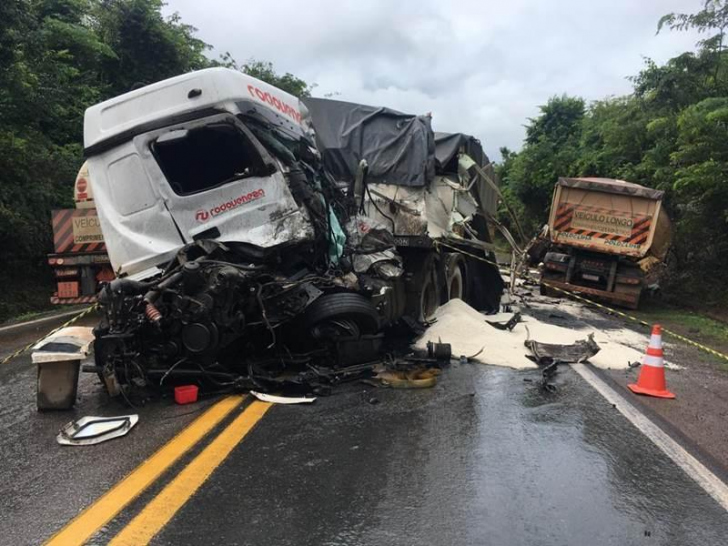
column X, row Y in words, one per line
column 604, row 236
column 254, row 235
column 79, row 260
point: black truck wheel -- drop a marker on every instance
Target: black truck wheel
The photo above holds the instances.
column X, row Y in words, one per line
column 485, row 285
column 456, row 277
column 343, row 314
column 422, row 285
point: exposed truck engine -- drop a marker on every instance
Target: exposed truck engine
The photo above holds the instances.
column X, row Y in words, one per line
column 244, row 260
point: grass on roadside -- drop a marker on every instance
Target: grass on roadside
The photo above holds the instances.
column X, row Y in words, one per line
column 688, row 320
column 691, row 324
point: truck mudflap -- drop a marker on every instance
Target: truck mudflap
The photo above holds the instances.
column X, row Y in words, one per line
column 623, row 295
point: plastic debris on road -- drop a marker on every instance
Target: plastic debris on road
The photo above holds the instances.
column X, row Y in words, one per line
column 273, row 399
column 94, row 430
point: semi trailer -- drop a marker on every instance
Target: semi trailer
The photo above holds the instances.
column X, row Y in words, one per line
column 251, row 233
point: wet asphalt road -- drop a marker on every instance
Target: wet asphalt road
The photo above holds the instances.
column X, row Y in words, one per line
column 483, row 458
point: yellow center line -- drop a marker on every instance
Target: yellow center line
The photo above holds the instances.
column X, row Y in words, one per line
column 106, row 507
column 165, row 505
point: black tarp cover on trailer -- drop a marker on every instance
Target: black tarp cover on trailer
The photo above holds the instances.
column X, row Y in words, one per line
column 448, row 145
column 399, row 148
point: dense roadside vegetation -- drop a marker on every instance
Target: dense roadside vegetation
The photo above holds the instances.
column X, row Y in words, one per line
column 57, row 57
column 670, row 133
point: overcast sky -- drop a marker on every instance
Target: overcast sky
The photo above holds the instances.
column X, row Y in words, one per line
column 480, row 66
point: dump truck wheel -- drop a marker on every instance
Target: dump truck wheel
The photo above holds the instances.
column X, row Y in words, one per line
column 550, row 292
column 632, row 290
column 456, row 277
column 429, row 299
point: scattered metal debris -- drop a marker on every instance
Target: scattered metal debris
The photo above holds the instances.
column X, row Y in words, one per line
column 548, row 387
column 273, row 399
column 509, row 325
column 58, row 358
column 548, row 353
column 94, row 430
column 440, row 352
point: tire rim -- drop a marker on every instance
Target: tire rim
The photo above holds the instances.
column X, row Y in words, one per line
column 455, row 286
column 428, row 301
column 336, row 329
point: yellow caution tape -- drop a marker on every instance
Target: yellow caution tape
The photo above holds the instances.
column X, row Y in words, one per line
column 595, row 304
column 68, row 323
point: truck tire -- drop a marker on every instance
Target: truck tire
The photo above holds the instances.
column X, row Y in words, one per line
column 545, row 290
column 456, row 277
column 485, row 286
column 629, row 289
column 422, row 286
column 339, row 314
column 634, row 288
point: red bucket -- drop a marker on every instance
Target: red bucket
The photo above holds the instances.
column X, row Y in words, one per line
column 186, row 394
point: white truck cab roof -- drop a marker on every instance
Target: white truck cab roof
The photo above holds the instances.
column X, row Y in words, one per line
column 119, row 118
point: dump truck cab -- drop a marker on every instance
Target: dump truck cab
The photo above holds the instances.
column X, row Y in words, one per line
column 179, row 161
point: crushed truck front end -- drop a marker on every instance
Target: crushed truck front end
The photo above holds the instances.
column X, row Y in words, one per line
column 243, row 261
column 227, row 239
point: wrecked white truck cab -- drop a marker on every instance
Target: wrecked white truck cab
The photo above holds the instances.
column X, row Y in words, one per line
column 173, row 162
column 257, row 246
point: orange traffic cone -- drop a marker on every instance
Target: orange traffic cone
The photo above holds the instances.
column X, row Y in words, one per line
column 652, row 375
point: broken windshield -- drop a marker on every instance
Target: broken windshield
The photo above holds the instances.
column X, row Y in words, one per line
column 195, row 160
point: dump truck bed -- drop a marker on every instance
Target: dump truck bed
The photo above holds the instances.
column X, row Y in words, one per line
column 610, row 216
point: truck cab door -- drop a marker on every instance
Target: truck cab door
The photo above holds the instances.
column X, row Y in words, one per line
column 218, row 182
column 139, row 231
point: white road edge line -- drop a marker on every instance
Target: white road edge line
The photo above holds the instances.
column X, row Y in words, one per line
column 711, row 483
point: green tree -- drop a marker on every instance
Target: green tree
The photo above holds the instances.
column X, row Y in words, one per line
column 147, row 46
column 265, row 71
column 551, row 150
column 57, row 57
column 701, row 187
column 671, row 133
